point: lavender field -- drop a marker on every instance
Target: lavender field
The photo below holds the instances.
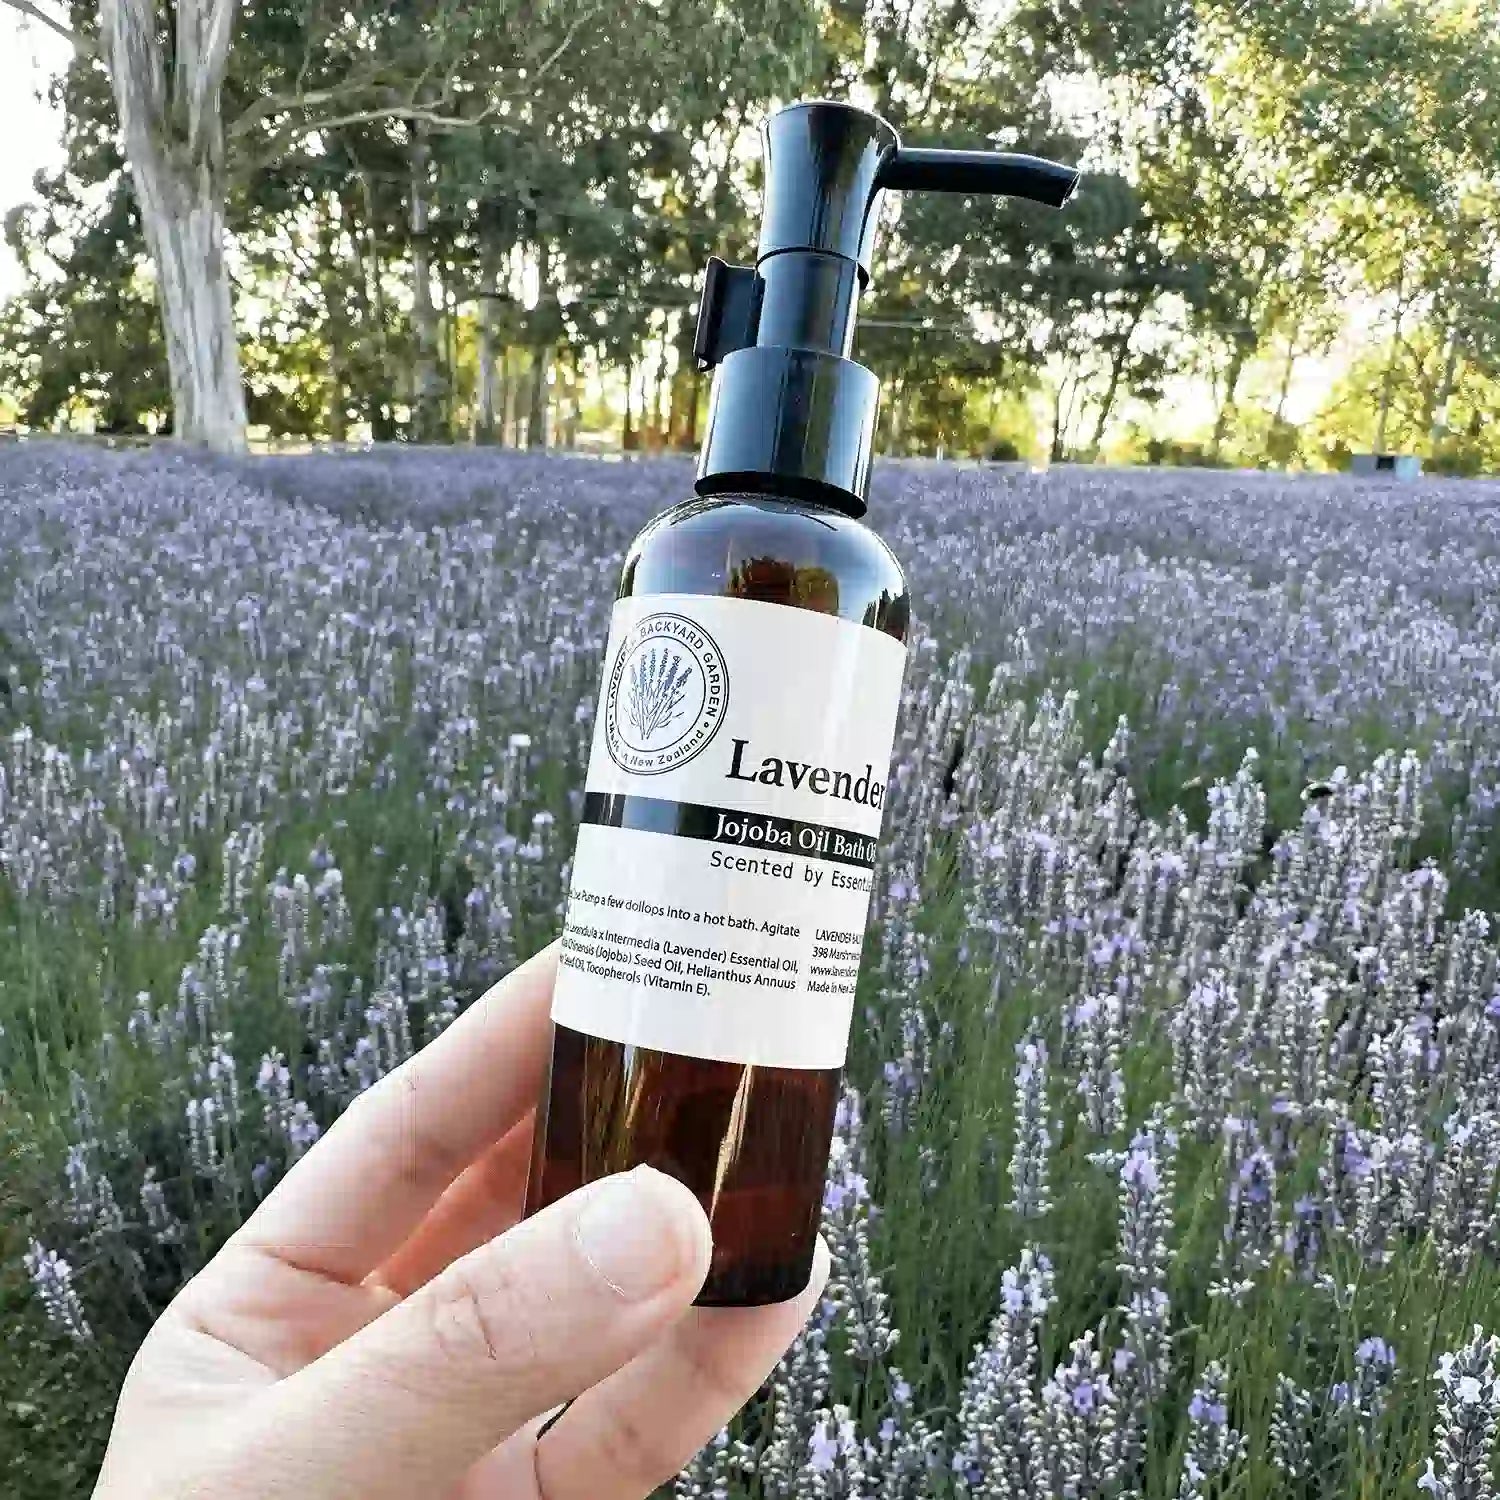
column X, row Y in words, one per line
column 1169, row 1160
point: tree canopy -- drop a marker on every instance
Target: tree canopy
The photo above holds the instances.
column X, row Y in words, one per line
column 487, row 219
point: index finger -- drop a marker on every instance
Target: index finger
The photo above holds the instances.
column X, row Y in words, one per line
column 354, row 1198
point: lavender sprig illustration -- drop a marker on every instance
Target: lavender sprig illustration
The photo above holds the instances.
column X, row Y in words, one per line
column 655, row 694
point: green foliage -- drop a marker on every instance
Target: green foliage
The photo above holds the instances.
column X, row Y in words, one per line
column 1251, row 170
column 85, row 338
column 1454, row 429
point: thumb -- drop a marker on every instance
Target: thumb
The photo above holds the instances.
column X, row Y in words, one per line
column 508, row 1332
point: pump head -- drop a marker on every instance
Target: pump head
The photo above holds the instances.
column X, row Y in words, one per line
column 790, row 412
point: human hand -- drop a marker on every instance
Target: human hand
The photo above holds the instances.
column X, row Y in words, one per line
column 383, row 1326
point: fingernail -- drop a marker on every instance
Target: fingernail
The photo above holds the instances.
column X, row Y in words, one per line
column 637, row 1232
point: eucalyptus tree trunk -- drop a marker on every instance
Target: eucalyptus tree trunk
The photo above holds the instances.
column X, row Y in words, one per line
column 1287, row 371
column 1061, row 405
column 509, row 379
column 336, row 321
column 574, row 417
column 1437, row 416
column 1387, row 396
column 167, row 91
column 897, row 430
column 684, row 421
column 536, row 417
column 488, row 385
column 541, row 353
column 1388, row 381
column 426, row 379
column 378, row 398
column 1232, row 377
column 656, row 416
column 1118, row 358
column 627, row 431
column 450, row 347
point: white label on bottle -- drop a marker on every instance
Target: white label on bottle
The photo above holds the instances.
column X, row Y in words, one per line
column 732, row 811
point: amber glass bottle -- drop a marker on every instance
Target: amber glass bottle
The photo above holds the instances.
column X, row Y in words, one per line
column 736, row 783
column 751, row 1141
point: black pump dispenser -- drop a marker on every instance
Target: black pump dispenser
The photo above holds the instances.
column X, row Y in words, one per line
column 790, row 412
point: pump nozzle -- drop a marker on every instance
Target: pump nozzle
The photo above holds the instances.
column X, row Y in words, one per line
column 1010, row 174
column 790, row 411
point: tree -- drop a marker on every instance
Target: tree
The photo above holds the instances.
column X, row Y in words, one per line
column 305, row 73
column 87, row 337
column 168, row 83
column 1394, row 132
column 445, row 219
column 84, row 338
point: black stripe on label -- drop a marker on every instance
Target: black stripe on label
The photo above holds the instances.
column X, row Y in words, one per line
column 755, row 832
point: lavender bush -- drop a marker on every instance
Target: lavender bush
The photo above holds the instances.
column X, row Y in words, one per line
column 1169, row 1161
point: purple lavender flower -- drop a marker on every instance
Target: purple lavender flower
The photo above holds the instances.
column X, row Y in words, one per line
column 1142, row 1364
column 1001, row 1451
column 1213, row 1446
column 1080, row 1438
column 1205, row 1044
column 1293, row 1430
column 52, row 1279
column 1468, row 1410
column 1097, row 1026
column 1030, row 1197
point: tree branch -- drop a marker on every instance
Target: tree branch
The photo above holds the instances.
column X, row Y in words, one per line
column 547, row 63
column 204, row 28
column 280, row 104
column 357, row 90
column 79, row 42
column 284, row 137
column 352, row 88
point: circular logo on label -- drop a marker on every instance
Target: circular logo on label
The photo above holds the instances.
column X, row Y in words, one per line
column 668, row 689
